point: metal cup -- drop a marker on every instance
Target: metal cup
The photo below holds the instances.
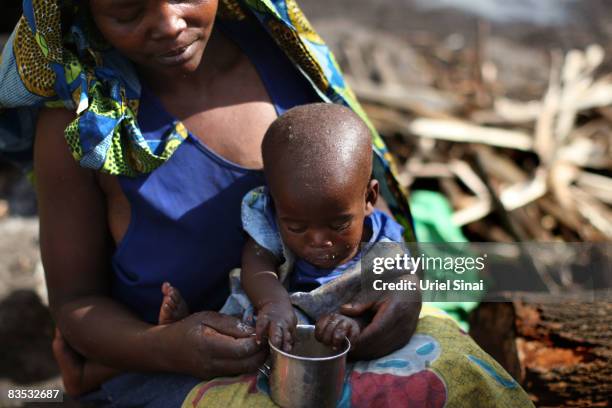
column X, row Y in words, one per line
column 312, row 375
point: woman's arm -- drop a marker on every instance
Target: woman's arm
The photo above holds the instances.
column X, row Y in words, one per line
column 393, row 324
column 389, row 321
column 76, row 250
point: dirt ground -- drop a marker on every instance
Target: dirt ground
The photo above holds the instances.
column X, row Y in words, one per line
column 25, row 323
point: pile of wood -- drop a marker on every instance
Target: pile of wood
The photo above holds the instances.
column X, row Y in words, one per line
column 538, row 169
column 519, row 140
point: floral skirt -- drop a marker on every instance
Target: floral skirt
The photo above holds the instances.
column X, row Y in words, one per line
column 440, row 366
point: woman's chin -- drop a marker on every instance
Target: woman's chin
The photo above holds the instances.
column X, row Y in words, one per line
column 184, row 68
column 177, row 65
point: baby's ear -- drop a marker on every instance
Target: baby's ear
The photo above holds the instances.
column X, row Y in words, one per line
column 371, row 196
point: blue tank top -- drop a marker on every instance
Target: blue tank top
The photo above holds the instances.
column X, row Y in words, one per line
column 185, row 223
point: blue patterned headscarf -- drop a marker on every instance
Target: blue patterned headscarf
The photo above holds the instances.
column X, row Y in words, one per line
column 56, row 58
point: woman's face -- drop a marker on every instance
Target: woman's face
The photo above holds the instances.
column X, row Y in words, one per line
column 165, row 36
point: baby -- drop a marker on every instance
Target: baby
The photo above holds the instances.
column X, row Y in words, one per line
column 319, row 206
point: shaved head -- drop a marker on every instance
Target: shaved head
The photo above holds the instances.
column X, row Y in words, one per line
column 316, row 148
column 318, row 163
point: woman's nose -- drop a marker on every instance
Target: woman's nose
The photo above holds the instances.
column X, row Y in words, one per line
column 167, row 21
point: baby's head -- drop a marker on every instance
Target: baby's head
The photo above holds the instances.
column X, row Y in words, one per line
column 318, row 162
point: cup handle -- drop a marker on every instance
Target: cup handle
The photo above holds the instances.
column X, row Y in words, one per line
column 265, row 369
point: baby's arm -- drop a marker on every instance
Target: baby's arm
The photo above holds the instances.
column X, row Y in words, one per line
column 275, row 316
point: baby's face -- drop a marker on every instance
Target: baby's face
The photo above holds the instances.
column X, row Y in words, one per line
column 326, row 230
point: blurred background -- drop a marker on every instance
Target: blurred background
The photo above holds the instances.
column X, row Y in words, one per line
column 500, row 117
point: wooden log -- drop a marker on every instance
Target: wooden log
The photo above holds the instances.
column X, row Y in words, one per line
column 544, row 136
column 594, row 211
column 512, row 197
column 420, row 99
column 464, row 132
column 569, row 220
column 596, row 185
column 561, row 353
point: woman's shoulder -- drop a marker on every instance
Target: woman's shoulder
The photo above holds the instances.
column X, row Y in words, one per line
column 55, row 117
column 53, row 159
column 50, row 127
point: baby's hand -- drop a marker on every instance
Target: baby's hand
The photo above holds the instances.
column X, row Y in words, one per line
column 276, row 321
column 332, row 328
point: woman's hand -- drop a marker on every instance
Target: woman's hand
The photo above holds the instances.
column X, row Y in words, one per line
column 276, row 321
column 394, row 322
column 210, row 344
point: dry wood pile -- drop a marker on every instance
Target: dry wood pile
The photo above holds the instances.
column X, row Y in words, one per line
column 537, row 166
column 519, row 139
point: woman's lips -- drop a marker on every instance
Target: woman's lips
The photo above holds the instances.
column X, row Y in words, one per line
column 177, row 56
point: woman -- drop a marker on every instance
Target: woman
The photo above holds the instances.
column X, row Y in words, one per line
column 197, row 94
